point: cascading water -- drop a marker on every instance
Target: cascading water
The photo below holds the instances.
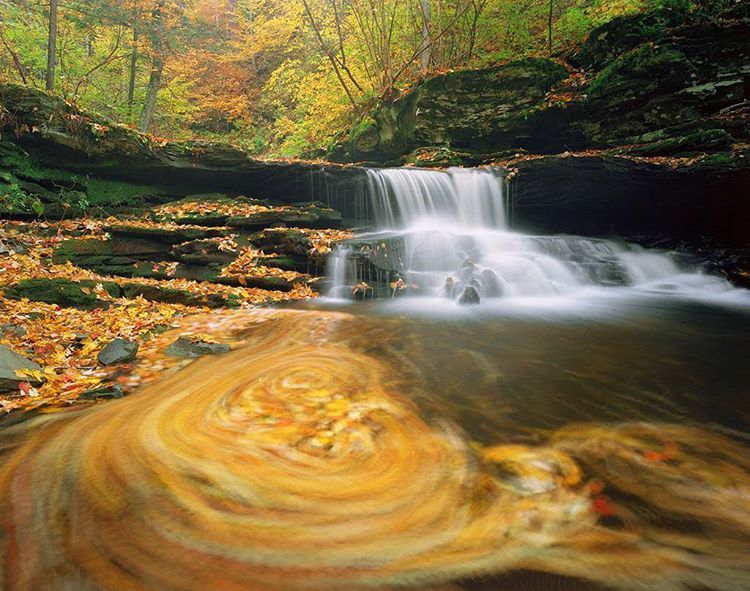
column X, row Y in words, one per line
column 447, row 235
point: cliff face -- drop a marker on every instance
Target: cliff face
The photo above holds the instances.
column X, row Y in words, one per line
column 643, row 133
column 56, row 155
column 645, row 85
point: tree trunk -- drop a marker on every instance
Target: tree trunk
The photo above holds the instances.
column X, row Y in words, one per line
column 133, row 71
column 158, row 35
column 51, row 46
column 426, row 48
column 549, row 25
column 154, row 83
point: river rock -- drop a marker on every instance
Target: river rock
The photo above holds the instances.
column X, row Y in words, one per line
column 103, row 393
column 469, row 296
column 10, row 362
column 185, row 347
column 118, row 351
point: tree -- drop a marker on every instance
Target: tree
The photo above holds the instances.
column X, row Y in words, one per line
column 51, row 46
column 426, row 41
column 158, row 42
column 549, row 25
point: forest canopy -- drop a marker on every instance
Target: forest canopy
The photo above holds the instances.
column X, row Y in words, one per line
column 277, row 77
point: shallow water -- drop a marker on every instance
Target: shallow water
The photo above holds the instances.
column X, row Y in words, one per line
column 517, row 367
column 583, row 428
column 397, row 445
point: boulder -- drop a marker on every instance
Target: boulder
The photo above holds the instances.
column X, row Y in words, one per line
column 469, row 296
column 463, row 109
column 10, row 363
column 118, row 351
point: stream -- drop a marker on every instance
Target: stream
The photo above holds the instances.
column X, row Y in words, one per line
column 528, row 413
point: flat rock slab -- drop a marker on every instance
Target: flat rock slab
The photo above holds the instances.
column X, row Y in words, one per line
column 10, row 363
column 166, row 235
column 62, row 292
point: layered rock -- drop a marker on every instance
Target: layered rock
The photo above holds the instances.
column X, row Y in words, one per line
column 58, row 159
column 650, row 85
column 643, row 132
column 167, row 244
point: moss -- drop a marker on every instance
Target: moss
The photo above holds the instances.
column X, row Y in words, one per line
column 165, row 235
column 108, row 193
column 62, row 292
column 645, row 68
column 690, row 144
column 77, row 249
column 172, row 295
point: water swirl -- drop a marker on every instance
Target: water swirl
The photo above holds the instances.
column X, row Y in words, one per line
column 297, row 463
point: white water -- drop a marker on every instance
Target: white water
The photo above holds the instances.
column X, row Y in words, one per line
column 456, row 237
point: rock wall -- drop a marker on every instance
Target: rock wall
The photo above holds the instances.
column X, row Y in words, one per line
column 643, row 132
column 55, row 153
column 647, row 85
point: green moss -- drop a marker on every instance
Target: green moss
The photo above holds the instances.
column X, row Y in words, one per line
column 104, row 193
column 172, row 295
column 62, row 292
column 77, row 249
column 693, row 143
column 645, row 67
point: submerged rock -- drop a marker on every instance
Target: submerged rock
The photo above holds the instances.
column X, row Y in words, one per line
column 469, row 296
column 118, row 351
column 103, row 393
column 185, row 347
column 10, row 363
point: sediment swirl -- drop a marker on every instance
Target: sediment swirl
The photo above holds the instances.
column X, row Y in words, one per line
column 296, row 463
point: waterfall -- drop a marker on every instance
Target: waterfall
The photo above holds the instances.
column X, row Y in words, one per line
column 338, row 271
column 448, row 232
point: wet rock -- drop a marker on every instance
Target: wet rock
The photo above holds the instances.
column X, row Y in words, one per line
column 469, row 296
column 103, row 393
column 185, row 347
column 118, row 351
column 10, row 363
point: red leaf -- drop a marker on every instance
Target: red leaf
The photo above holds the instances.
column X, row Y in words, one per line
column 603, row 506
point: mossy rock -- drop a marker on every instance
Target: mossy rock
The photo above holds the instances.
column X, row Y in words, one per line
column 62, row 292
column 267, row 219
column 642, row 72
column 171, row 295
column 202, row 252
column 165, row 235
column 711, row 140
column 82, row 250
column 269, row 282
column 287, row 262
column 301, row 217
column 451, row 111
column 282, row 240
column 622, row 34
